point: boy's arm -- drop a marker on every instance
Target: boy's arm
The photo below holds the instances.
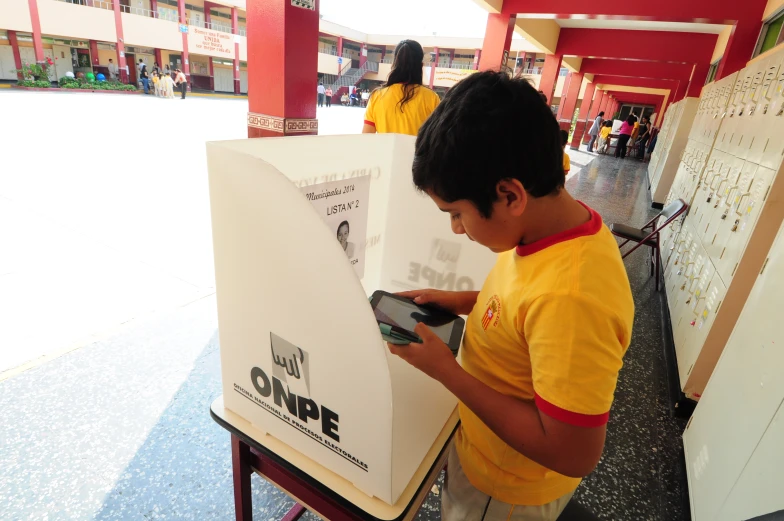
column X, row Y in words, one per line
column 576, row 345
column 564, row 448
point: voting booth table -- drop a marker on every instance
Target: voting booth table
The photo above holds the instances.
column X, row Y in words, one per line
column 305, row 229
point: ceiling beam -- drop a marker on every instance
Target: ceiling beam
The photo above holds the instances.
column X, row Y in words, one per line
column 637, row 69
column 623, row 44
column 637, row 82
column 542, row 33
column 491, row 6
column 693, row 11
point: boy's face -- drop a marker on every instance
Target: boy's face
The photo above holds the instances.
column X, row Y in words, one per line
column 502, row 231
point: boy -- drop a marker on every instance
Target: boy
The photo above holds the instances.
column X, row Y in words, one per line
column 567, row 165
column 604, row 137
column 546, row 334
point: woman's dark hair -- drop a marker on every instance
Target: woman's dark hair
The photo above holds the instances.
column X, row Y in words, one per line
column 407, row 69
column 491, row 112
column 632, row 119
column 346, row 225
column 601, row 113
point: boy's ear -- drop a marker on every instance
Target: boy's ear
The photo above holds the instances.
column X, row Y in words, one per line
column 511, row 193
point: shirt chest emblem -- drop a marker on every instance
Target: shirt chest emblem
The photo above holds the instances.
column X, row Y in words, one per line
column 492, row 314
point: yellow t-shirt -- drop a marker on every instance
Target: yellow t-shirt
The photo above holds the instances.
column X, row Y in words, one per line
column 550, row 326
column 566, row 163
column 384, row 113
column 605, row 132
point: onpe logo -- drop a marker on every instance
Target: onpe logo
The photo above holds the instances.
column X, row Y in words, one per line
column 290, row 364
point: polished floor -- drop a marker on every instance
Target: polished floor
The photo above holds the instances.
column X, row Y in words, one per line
column 113, row 424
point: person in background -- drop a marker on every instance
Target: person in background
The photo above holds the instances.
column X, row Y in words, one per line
column 145, row 76
column 594, row 130
column 168, row 86
column 328, row 96
column 320, row 91
column 546, row 335
column 156, row 69
column 604, row 137
column 344, row 99
column 156, row 83
column 181, row 82
column 167, row 70
column 112, row 70
column 567, row 164
column 644, row 133
column 403, row 103
column 625, row 133
column 365, row 97
column 635, row 130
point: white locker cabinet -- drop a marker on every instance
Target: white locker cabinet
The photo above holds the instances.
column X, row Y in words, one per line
column 758, row 490
column 741, row 137
column 741, row 221
column 730, row 122
column 673, row 151
column 760, row 119
column 733, row 442
column 773, row 149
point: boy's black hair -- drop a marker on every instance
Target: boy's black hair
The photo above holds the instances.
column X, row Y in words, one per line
column 489, row 127
column 564, row 137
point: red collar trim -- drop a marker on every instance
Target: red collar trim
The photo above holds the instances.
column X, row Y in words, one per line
column 590, row 227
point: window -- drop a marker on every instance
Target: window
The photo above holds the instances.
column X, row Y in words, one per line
column 771, row 34
column 712, row 71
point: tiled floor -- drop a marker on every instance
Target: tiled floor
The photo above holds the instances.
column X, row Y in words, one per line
column 120, row 429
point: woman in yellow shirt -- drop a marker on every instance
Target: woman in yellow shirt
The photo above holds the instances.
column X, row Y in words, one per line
column 403, row 103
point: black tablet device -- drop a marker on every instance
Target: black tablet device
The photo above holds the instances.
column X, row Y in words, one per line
column 397, row 317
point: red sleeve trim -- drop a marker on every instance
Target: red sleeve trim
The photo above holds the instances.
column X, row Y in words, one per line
column 570, row 417
column 370, row 123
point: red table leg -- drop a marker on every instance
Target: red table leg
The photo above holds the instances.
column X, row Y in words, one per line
column 295, row 513
column 240, row 463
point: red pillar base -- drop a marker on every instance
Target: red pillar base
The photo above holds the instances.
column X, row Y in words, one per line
column 579, row 132
column 565, row 125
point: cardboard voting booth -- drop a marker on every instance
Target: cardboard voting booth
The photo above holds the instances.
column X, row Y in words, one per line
column 305, row 229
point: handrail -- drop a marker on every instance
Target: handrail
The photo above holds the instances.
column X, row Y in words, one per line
column 327, row 49
column 100, row 4
column 215, row 26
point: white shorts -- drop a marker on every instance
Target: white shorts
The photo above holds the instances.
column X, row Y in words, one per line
column 461, row 501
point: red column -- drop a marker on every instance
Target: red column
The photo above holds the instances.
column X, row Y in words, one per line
column 282, row 98
column 154, row 13
column 569, row 98
column 17, row 56
column 383, row 53
column 122, row 63
column 698, row 77
column 363, row 51
column 451, row 57
column 552, row 65
column 587, row 109
column 477, row 57
column 433, row 65
column 186, row 67
column 235, row 29
column 35, row 22
column 158, row 57
column 498, row 39
column 522, row 62
column 740, row 47
column 207, row 15
column 94, row 52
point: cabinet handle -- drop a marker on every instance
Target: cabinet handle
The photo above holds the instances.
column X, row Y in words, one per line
column 740, row 203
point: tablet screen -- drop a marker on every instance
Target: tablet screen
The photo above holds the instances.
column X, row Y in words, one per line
column 406, row 315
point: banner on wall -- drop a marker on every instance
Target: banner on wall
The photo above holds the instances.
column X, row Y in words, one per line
column 210, row 43
column 343, row 205
column 452, row 76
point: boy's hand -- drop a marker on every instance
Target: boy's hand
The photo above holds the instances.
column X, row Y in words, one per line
column 457, row 302
column 432, row 356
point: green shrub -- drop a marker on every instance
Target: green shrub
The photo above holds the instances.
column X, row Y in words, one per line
column 42, row 84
